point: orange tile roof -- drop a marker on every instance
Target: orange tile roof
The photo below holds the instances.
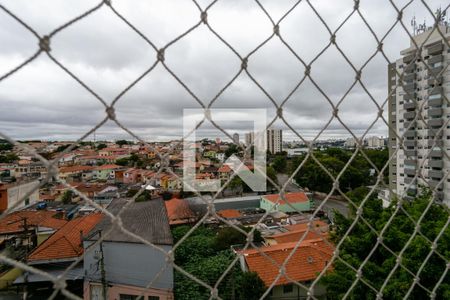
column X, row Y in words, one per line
column 178, row 211
column 224, row 169
column 309, row 259
column 229, row 213
column 72, row 169
column 116, row 149
column 66, row 242
column 107, row 167
column 290, row 198
column 44, row 218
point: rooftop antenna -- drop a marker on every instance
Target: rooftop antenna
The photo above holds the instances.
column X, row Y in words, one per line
column 422, row 27
column 414, row 25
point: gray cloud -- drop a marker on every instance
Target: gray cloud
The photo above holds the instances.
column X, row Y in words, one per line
column 42, row 101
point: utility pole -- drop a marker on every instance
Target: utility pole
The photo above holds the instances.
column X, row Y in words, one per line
column 102, row 267
column 24, row 237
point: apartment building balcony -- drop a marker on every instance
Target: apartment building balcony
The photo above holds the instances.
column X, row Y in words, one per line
column 436, row 153
column 435, row 49
column 409, row 87
column 410, row 143
column 409, row 58
column 409, row 115
column 410, row 96
column 434, row 59
column 409, row 77
column 409, row 105
column 435, row 143
column 409, row 68
column 435, row 71
column 435, row 174
column 410, row 124
column 434, row 80
column 410, row 171
column 435, row 122
column 410, row 153
column 409, row 180
column 434, row 183
column 435, row 163
column 435, row 112
column 410, row 133
column 436, row 90
column 435, row 102
column 432, row 133
column 411, row 162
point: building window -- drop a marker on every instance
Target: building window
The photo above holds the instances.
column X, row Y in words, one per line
column 288, row 288
column 153, row 297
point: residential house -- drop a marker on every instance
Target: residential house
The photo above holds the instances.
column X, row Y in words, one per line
column 31, row 169
column 220, row 156
column 129, row 264
column 12, row 194
column 309, row 259
column 179, row 212
column 56, row 254
column 295, row 232
column 293, row 202
column 23, row 230
column 133, row 175
column 106, row 172
column 67, row 159
column 113, row 151
column 76, row 172
column 224, row 172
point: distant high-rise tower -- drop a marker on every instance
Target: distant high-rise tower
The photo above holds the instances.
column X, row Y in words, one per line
column 249, row 138
column 417, row 111
column 274, row 140
column 236, row 138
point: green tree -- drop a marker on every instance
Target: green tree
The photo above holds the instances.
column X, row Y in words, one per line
column 122, row 161
column 123, row 142
column 144, row 196
column 198, row 255
column 361, row 240
column 9, row 158
column 6, row 146
column 280, row 164
column 228, row 236
column 314, row 177
column 232, row 149
column 236, row 184
column 270, row 173
column 62, row 148
column 67, row 197
column 249, row 286
column 101, row 146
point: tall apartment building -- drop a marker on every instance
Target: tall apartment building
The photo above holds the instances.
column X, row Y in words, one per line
column 274, row 140
column 418, row 109
column 236, row 138
column 249, row 138
column 375, row 142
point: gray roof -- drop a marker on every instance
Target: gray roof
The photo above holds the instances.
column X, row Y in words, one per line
column 146, row 219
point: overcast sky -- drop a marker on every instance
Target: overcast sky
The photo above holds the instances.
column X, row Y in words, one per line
column 42, row 102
